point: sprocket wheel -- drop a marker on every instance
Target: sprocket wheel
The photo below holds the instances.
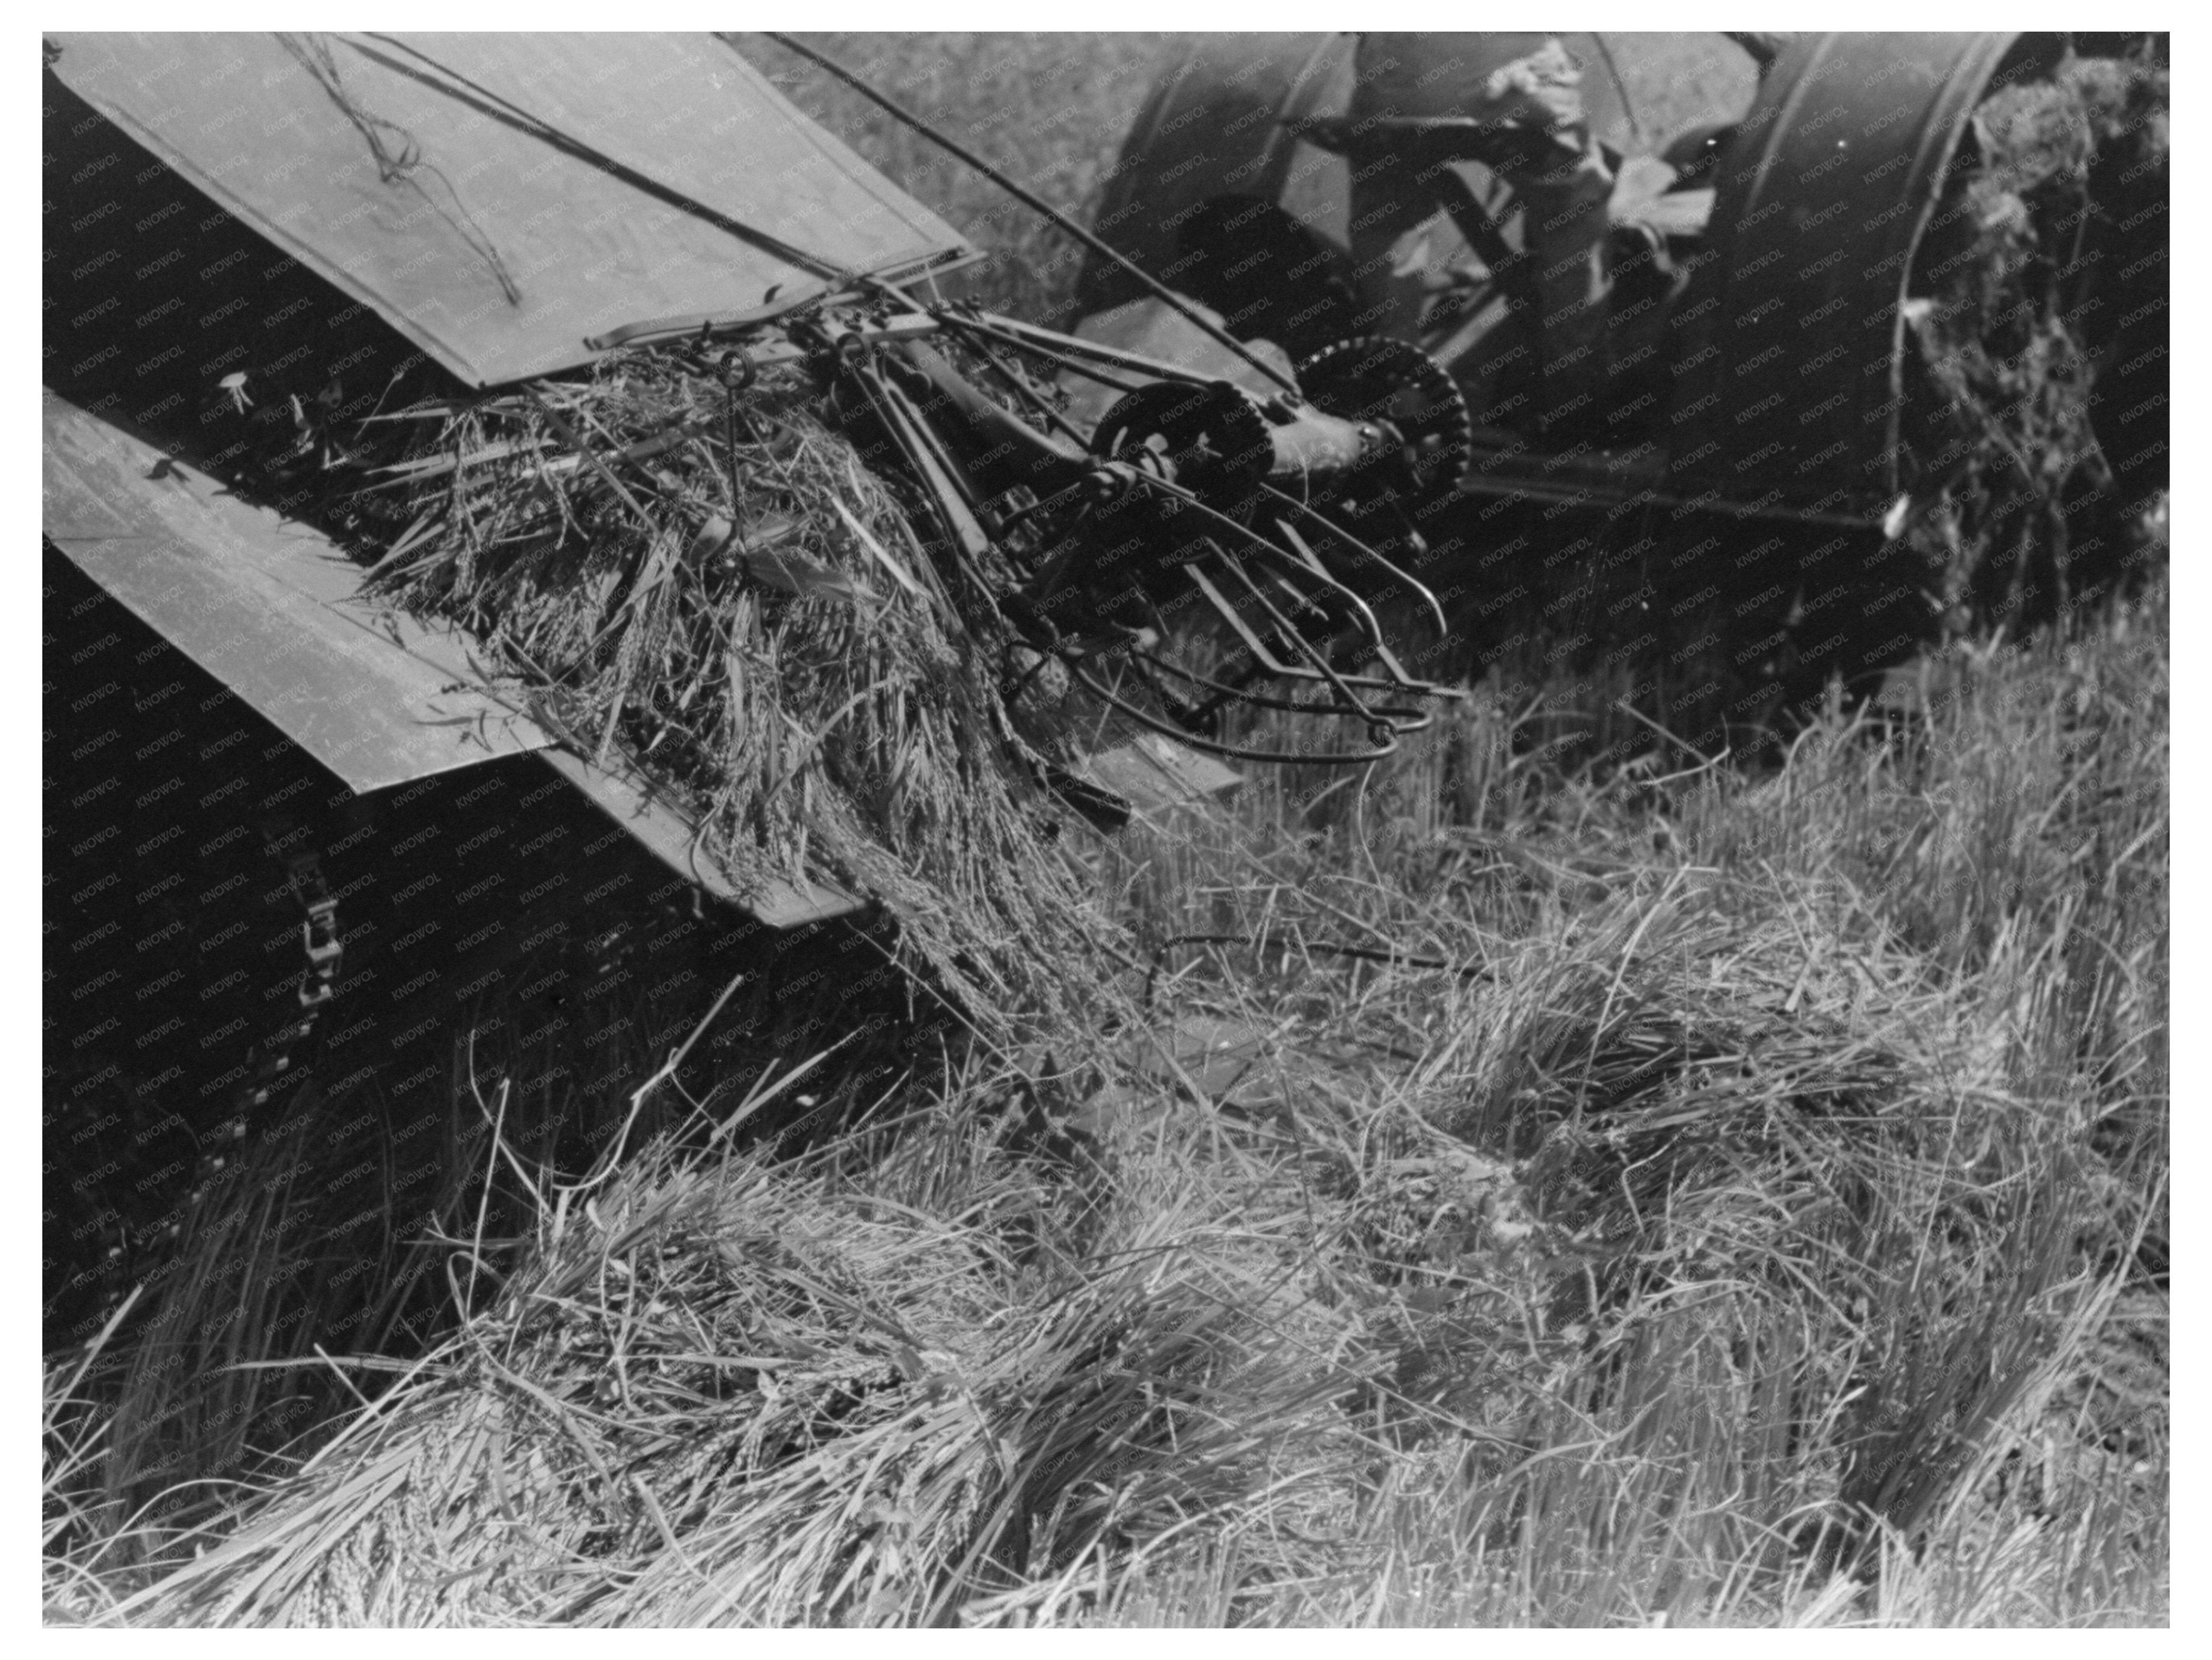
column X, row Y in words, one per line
column 1212, row 435
column 1374, row 378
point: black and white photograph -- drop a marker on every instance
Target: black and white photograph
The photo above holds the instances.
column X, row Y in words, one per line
column 1106, row 828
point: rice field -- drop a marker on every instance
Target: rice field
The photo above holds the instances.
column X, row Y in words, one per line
column 1501, row 1191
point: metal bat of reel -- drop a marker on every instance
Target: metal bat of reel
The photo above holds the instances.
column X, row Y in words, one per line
column 1405, row 397
column 1199, row 459
column 1301, row 447
column 1164, row 494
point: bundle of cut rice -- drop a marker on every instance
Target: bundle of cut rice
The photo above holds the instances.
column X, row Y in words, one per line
column 745, row 1396
column 711, row 584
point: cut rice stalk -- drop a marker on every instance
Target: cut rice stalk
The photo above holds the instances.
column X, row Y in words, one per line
column 691, row 591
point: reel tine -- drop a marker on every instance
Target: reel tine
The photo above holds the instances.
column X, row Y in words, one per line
column 1412, row 584
column 1369, row 626
column 1386, row 745
column 1349, row 702
column 1228, row 613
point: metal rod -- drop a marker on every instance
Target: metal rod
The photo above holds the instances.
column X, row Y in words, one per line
column 975, row 326
column 1413, row 720
column 1159, row 290
column 1019, row 383
column 1231, row 751
column 1620, row 85
column 1420, row 590
column 1069, row 352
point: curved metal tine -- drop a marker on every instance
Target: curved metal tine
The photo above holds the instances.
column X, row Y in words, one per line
column 1291, row 562
column 1086, row 364
column 1347, row 609
column 1323, row 670
column 1323, row 673
column 1400, row 679
column 1231, row 752
column 1376, row 717
column 1147, row 664
column 1303, row 562
column 980, row 346
column 1067, row 348
column 1307, row 564
column 1374, row 628
column 1059, row 360
column 1301, row 602
column 1414, row 584
column 1416, row 719
column 1229, row 614
column 981, row 337
column 1328, row 671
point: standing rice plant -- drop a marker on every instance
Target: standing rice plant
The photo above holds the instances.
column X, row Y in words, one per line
column 2013, row 833
column 1776, row 1122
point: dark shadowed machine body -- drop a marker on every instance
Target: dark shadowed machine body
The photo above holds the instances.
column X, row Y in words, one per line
column 1752, row 425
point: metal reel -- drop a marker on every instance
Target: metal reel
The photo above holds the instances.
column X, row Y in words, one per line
column 1208, row 438
column 1373, row 378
